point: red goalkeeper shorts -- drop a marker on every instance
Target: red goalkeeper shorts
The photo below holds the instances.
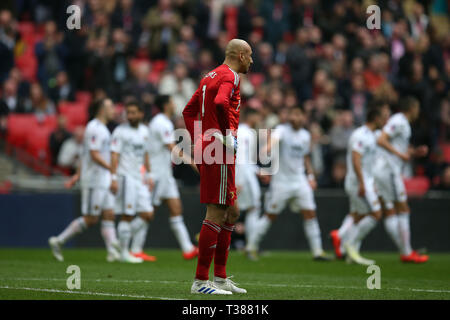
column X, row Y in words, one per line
column 217, row 184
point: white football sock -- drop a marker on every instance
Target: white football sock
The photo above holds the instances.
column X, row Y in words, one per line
column 108, row 232
column 392, row 228
column 251, row 221
column 345, row 226
column 180, row 231
column 124, row 233
column 405, row 233
column 360, row 231
column 312, row 232
column 139, row 229
column 75, row 227
column 261, row 229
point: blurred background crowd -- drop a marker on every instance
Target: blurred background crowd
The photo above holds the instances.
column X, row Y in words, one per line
column 319, row 54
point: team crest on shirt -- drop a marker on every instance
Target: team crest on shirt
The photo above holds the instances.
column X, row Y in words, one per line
column 96, row 207
column 129, row 206
column 93, row 139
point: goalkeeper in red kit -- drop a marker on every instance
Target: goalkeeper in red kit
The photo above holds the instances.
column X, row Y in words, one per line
column 215, row 106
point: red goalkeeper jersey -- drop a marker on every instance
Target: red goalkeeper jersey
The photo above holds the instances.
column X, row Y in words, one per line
column 216, row 103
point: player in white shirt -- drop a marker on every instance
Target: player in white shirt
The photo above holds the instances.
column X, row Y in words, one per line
column 162, row 145
column 247, row 172
column 338, row 236
column 365, row 206
column 395, row 151
column 291, row 185
column 129, row 151
column 95, row 177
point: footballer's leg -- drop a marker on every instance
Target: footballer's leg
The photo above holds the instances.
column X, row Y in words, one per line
column 369, row 213
column 108, row 231
column 90, row 208
column 391, row 222
column 125, row 233
column 338, row 236
column 209, row 233
column 275, row 201
column 407, row 254
column 179, row 229
column 140, row 224
column 139, row 230
column 312, row 232
column 304, row 203
column 363, row 225
column 222, row 250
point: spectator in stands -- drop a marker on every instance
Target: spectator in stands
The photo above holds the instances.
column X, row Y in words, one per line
column 127, row 17
column 340, row 133
column 71, row 149
column 276, row 16
column 140, row 88
column 358, row 98
column 164, row 24
column 11, row 101
column 119, row 65
column 40, row 105
column 62, row 89
column 51, row 54
column 179, row 86
column 7, row 43
column 300, row 65
column 100, row 54
column 57, row 138
column 248, row 19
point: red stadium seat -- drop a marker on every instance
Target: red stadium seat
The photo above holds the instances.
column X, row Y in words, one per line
column 159, row 65
column 75, row 112
column 18, row 127
column 256, row 79
column 417, row 186
column 83, row 96
column 37, row 142
column 231, row 24
column 446, row 152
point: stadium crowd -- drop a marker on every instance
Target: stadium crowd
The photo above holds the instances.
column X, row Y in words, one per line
column 319, row 54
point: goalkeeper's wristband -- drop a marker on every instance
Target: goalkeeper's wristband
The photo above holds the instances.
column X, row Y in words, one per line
column 148, row 175
column 311, row 177
column 114, row 177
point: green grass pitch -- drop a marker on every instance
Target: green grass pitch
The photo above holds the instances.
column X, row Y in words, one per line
column 34, row 274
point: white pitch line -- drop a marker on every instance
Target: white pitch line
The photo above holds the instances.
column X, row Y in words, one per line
column 107, row 294
column 249, row 284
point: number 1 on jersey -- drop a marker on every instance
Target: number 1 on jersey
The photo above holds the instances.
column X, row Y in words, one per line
column 203, row 101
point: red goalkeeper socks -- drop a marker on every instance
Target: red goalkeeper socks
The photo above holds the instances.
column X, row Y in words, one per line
column 222, row 250
column 206, row 247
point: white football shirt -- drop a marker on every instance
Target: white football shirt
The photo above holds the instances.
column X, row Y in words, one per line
column 132, row 144
column 294, row 146
column 96, row 137
column 364, row 142
column 246, row 155
column 398, row 130
column 161, row 131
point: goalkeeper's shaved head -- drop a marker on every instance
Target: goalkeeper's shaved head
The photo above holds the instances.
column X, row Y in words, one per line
column 238, row 55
